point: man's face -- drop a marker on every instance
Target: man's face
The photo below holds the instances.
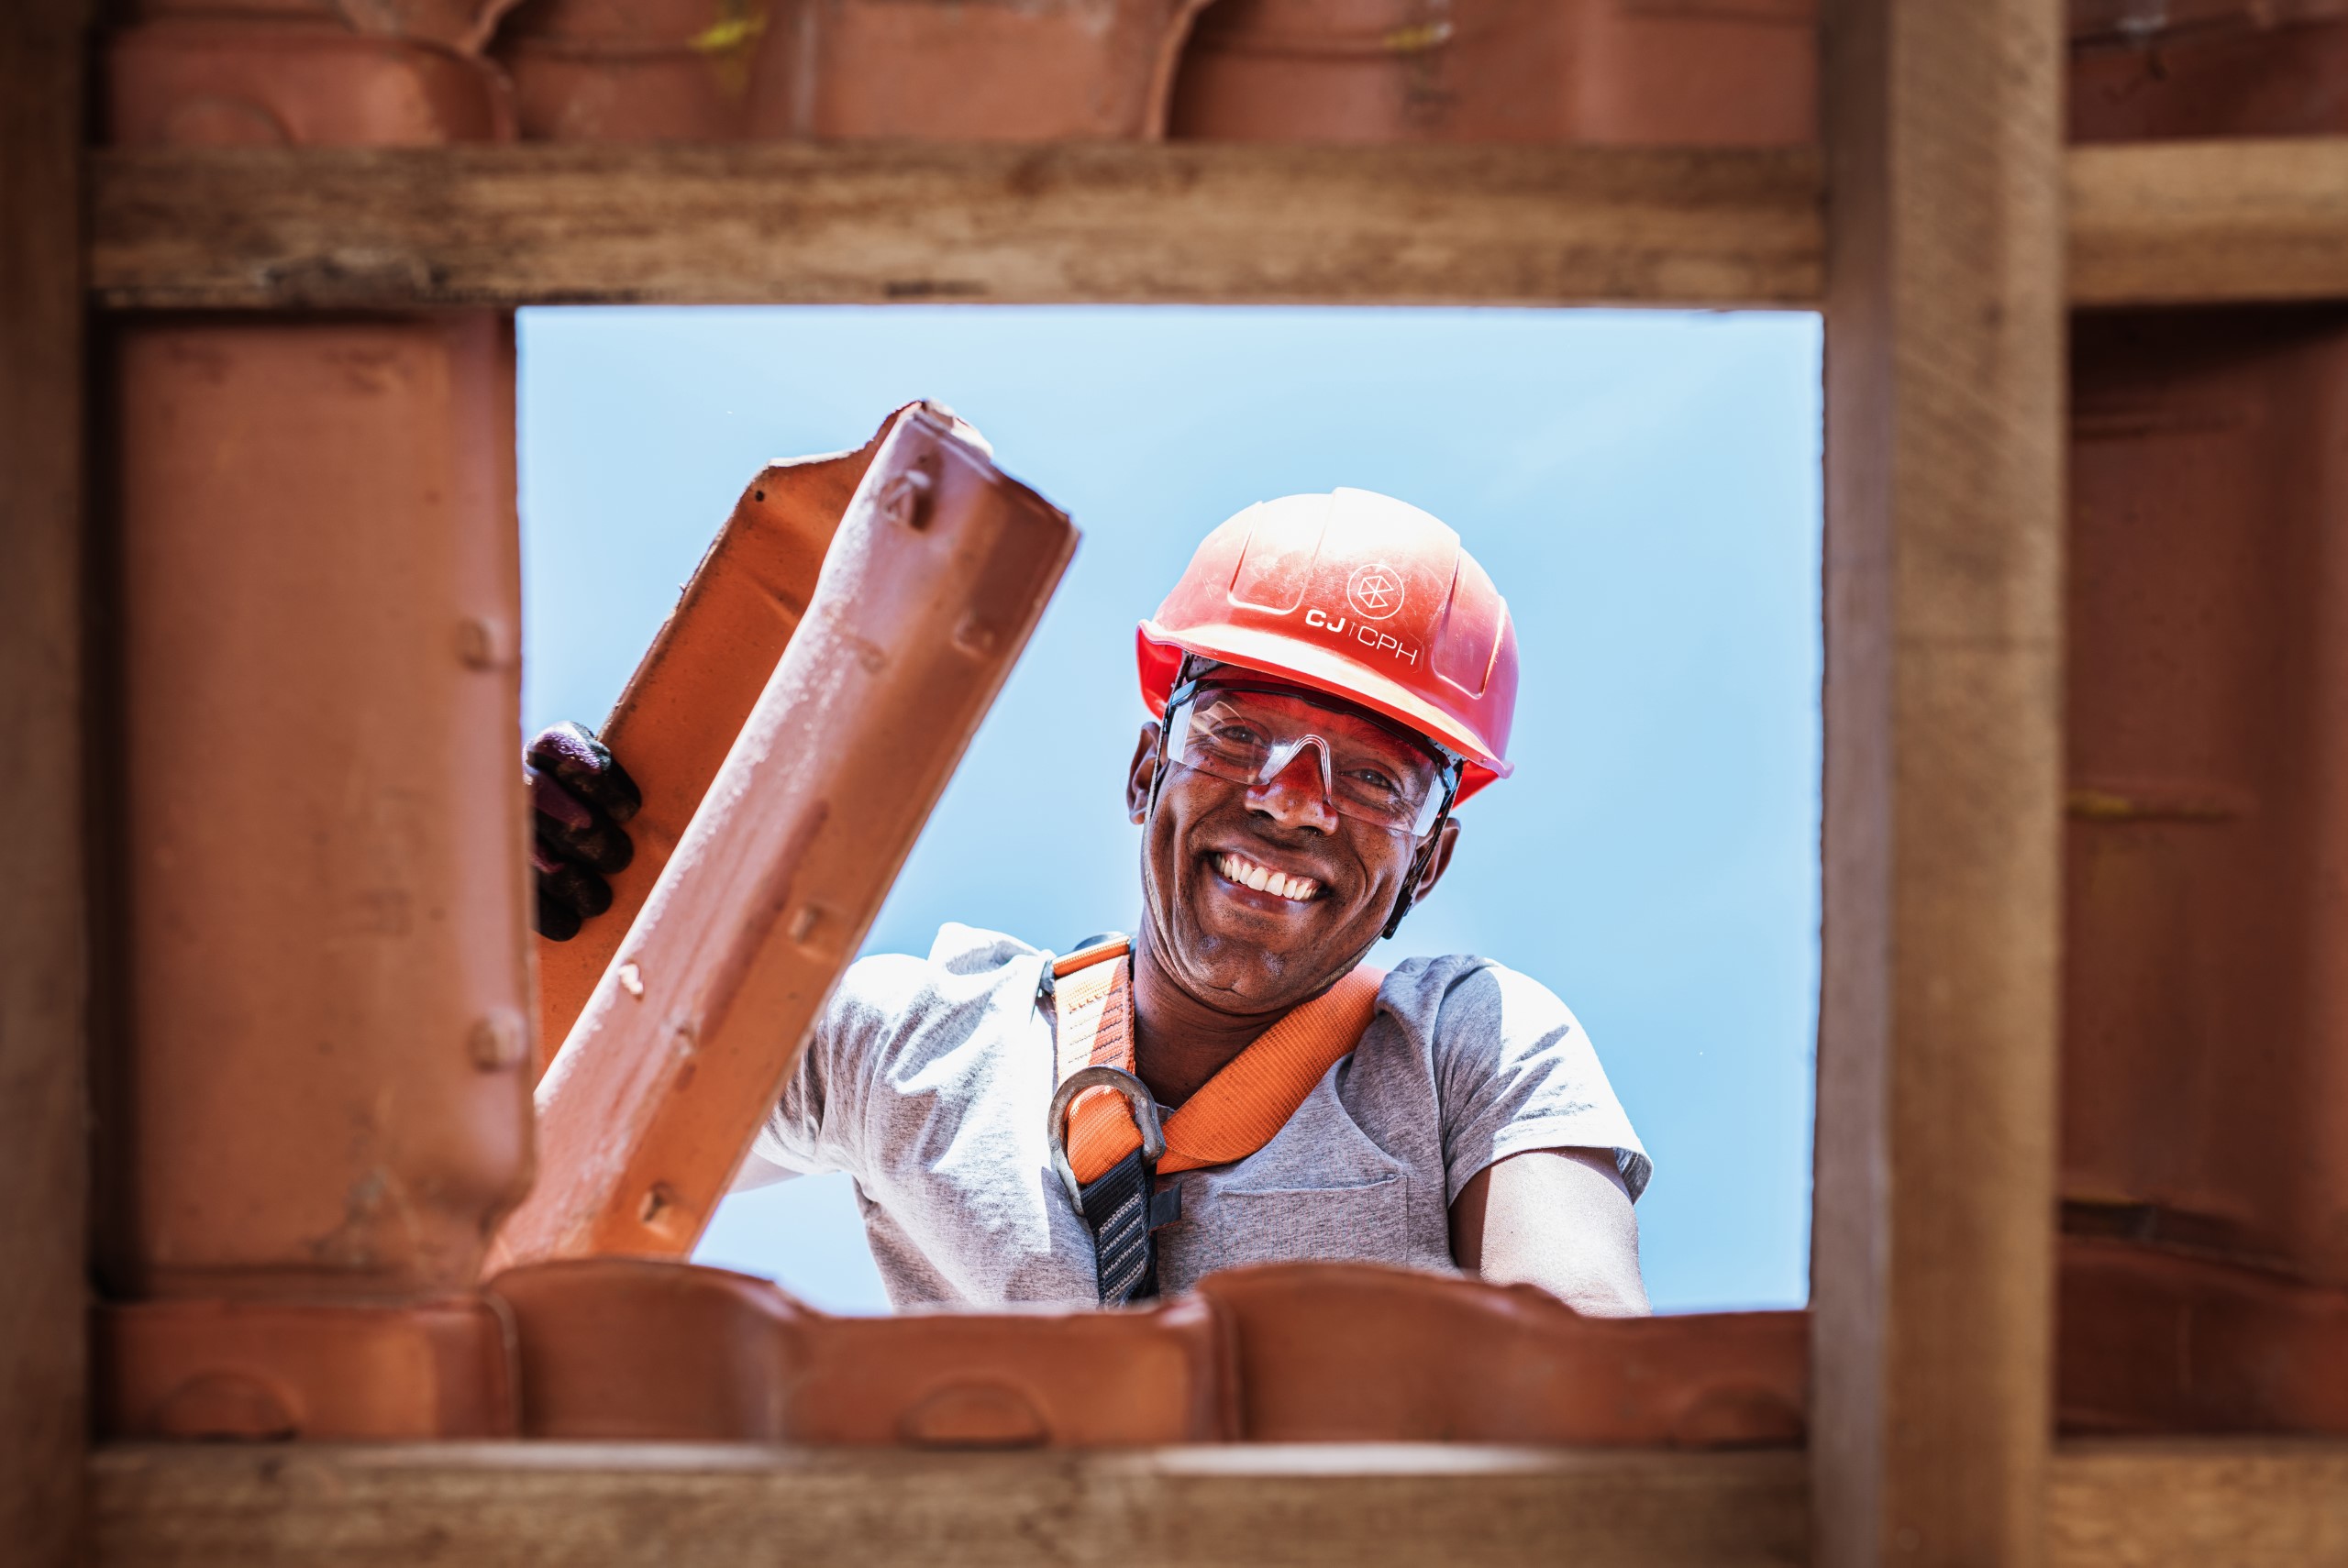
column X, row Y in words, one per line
column 1329, row 877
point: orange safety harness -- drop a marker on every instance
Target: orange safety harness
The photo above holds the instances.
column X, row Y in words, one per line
column 1108, row 1144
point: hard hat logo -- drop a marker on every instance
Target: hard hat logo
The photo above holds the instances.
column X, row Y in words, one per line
column 1375, row 590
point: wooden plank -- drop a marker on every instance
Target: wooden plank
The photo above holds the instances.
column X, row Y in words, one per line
column 44, row 1149
column 1931, row 1281
column 519, row 1506
column 2154, row 223
column 2209, row 222
column 801, row 223
column 2246, row 1503
column 2242, row 1502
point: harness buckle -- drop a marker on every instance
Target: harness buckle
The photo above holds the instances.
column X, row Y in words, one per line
column 1143, row 1104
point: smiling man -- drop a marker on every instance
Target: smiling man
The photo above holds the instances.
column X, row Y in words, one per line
column 1232, row 1084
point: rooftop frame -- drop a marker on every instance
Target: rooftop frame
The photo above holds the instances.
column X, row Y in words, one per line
column 1967, row 91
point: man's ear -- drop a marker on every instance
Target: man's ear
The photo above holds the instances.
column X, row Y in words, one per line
column 1439, row 862
column 1144, row 770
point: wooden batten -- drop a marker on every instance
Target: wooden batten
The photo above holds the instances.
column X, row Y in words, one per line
column 1094, row 222
column 1359, row 1506
column 2246, row 220
column 1932, row 1252
column 2246, row 1503
column 2152, row 223
column 44, row 1151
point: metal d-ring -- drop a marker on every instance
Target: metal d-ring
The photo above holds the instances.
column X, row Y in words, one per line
column 1137, row 1096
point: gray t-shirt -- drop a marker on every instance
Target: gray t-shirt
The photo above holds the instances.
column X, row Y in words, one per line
column 927, row 1081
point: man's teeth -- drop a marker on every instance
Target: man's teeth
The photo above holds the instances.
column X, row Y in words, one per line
column 1241, row 869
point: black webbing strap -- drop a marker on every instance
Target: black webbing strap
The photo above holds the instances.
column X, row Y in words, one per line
column 1116, row 1211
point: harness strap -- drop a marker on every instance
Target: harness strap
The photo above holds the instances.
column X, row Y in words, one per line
column 1234, row 1113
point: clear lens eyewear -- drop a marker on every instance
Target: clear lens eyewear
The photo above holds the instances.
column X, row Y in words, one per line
column 1370, row 772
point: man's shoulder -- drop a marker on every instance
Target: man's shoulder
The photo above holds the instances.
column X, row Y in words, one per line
column 1466, row 993
column 895, row 996
column 1435, row 976
column 959, row 952
column 894, row 1021
column 970, row 950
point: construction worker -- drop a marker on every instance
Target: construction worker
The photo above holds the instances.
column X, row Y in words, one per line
column 1333, row 675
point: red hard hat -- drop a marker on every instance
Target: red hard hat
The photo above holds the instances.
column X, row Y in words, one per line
column 1356, row 594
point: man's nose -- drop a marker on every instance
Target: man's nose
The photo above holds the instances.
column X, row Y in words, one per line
column 1297, row 795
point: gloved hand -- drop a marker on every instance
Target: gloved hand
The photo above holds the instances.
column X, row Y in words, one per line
column 578, row 797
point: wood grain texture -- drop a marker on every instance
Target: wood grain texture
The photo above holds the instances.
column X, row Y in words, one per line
column 1931, row 1269
column 523, row 1506
column 2245, row 1503
column 2157, row 223
column 43, row 1123
column 2209, row 222
column 868, row 222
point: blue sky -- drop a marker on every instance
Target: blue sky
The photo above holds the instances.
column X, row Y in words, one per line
column 1644, row 487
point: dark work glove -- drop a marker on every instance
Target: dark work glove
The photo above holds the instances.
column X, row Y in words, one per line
column 578, row 797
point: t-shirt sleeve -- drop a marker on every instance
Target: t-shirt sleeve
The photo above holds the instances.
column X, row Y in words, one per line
column 1516, row 1071
column 818, row 1122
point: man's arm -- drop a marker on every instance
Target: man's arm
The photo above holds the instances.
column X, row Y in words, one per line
column 1560, row 1218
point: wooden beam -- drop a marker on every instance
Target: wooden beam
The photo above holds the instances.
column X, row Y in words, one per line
column 1931, row 1269
column 2243, row 1502
column 2209, row 222
column 2155, row 223
column 2247, row 1503
column 799, row 223
column 44, row 1150
column 518, row 1505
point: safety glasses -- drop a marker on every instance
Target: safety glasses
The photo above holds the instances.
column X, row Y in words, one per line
column 1371, row 770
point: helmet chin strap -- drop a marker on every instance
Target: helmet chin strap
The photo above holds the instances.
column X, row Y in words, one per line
column 1403, row 901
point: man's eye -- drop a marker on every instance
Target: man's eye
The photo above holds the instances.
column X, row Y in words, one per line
column 1237, row 734
column 1376, row 780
